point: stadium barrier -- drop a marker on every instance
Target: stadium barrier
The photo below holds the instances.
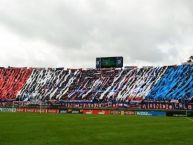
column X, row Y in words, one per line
column 174, row 113
column 7, row 109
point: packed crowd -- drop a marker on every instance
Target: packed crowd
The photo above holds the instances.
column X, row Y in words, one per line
column 12, row 80
column 177, row 83
column 122, row 85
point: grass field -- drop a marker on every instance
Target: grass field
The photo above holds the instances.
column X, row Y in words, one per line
column 52, row 129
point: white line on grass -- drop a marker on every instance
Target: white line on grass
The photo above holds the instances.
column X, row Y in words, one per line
column 188, row 118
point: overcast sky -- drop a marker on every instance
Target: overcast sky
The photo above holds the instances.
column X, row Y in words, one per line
column 72, row 33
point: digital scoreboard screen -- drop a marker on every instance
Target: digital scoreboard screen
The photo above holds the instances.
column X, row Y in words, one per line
column 109, row 62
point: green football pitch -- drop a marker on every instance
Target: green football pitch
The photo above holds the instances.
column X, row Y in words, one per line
column 59, row 129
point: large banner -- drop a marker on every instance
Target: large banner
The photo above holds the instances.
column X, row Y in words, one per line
column 166, row 106
column 89, row 105
column 7, row 109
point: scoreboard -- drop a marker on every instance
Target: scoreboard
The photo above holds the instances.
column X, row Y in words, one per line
column 109, row 62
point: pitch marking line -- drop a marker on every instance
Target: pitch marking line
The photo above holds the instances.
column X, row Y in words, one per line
column 188, row 118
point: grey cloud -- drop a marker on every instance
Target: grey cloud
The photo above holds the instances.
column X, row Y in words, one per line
column 82, row 30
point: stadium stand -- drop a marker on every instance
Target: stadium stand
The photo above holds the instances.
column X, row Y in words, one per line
column 12, row 81
column 105, row 85
column 177, row 83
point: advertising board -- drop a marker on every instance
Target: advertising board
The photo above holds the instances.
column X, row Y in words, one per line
column 97, row 112
column 37, row 110
column 118, row 112
column 7, row 109
column 129, row 113
column 71, row 111
column 150, row 113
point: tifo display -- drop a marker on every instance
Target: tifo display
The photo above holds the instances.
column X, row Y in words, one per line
column 167, row 87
